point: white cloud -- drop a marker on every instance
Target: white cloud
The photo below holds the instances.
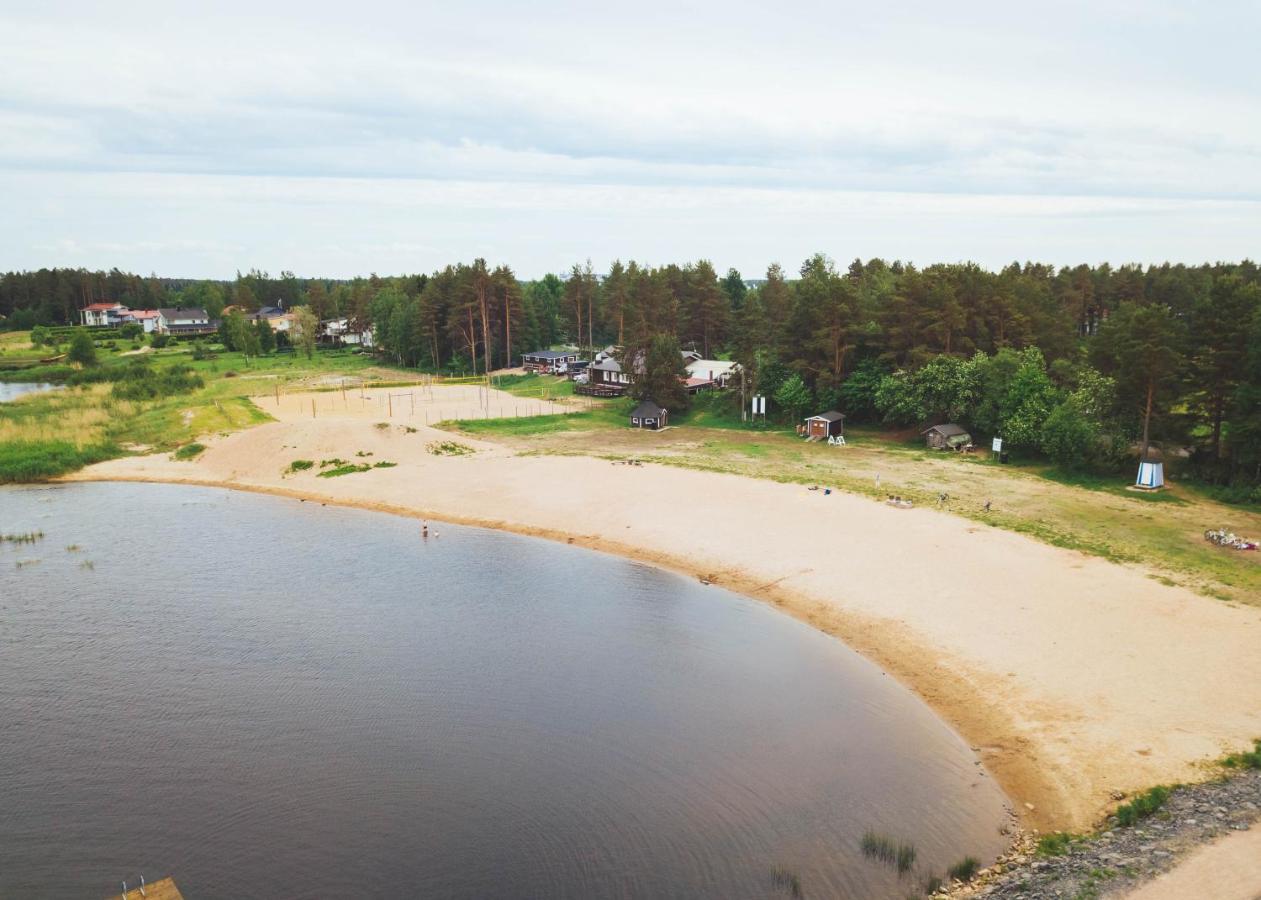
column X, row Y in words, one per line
column 435, row 129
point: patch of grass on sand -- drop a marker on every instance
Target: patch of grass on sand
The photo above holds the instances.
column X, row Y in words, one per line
column 448, row 448
column 189, row 451
column 1142, row 806
column 1248, row 759
column 344, row 470
column 300, row 465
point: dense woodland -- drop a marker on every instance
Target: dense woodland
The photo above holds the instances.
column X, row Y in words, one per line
column 1082, row 364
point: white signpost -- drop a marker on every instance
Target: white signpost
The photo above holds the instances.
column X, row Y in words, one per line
column 758, row 407
column 997, row 445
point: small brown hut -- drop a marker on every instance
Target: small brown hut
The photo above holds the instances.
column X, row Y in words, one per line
column 825, row 425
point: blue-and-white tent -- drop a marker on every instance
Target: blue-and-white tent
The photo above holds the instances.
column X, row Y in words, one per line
column 1150, row 475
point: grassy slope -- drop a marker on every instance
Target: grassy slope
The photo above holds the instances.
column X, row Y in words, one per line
column 1095, row 515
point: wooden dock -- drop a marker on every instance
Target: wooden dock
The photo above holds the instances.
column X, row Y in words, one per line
column 164, row 889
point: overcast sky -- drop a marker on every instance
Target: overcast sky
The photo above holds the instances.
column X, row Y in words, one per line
column 344, row 138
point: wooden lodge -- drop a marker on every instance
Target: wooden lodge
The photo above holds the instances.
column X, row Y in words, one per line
column 553, row 361
column 649, row 415
column 825, row 425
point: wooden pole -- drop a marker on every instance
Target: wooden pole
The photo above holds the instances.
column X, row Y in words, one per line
column 389, row 398
column 312, row 407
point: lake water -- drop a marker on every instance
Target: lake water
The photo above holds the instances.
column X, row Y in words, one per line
column 11, row 390
column 267, row 698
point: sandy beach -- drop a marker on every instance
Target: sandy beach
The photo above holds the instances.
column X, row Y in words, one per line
column 1073, row 677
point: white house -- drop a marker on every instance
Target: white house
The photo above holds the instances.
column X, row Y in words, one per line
column 339, row 331
column 145, row 318
column 100, row 315
column 184, row 321
column 716, row 371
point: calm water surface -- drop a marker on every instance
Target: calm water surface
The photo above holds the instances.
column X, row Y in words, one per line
column 266, row 698
column 11, row 390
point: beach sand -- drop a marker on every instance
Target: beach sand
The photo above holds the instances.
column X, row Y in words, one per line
column 1073, row 677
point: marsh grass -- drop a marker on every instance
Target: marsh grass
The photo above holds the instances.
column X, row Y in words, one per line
column 87, row 564
column 787, row 881
column 885, row 849
column 25, row 563
column 965, row 869
column 23, row 537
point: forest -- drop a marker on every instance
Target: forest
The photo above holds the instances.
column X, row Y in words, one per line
column 1085, row 365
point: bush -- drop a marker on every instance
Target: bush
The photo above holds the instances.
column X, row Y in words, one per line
column 82, row 350
column 1141, row 806
column 1068, row 437
column 159, row 341
column 190, row 451
column 131, row 330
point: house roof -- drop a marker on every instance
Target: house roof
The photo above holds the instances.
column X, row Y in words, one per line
column 143, row 313
column 100, row 307
column 948, row 430
column 608, row 364
column 829, row 416
column 181, row 313
column 549, row 354
column 647, row 409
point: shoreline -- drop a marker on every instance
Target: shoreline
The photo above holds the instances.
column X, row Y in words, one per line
column 1070, row 677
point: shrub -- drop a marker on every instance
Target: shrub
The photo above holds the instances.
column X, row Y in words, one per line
column 131, row 330
column 300, row 465
column 159, row 341
column 82, row 350
column 1142, row 806
column 190, row 451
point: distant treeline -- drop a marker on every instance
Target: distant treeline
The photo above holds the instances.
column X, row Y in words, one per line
column 1075, row 363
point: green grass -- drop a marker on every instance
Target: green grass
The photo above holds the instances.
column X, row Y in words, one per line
column 300, row 465
column 538, row 386
column 344, row 470
column 1142, row 806
column 1055, row 844
column 190, row 451
column 27, row 461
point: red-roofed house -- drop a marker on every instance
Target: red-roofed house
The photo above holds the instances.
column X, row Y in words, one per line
column 145, row 318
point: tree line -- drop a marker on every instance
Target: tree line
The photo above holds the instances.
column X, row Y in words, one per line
column 1081, row 364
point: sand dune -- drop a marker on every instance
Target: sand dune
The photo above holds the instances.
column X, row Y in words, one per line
column 1072, row 676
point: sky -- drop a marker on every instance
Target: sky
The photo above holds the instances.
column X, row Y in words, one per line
column 340, row 139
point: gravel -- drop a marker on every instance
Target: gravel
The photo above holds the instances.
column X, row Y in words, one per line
column 1114, row 860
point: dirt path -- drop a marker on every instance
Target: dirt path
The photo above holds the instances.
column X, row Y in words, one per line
column 1229, row 869
column 1073, row 677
